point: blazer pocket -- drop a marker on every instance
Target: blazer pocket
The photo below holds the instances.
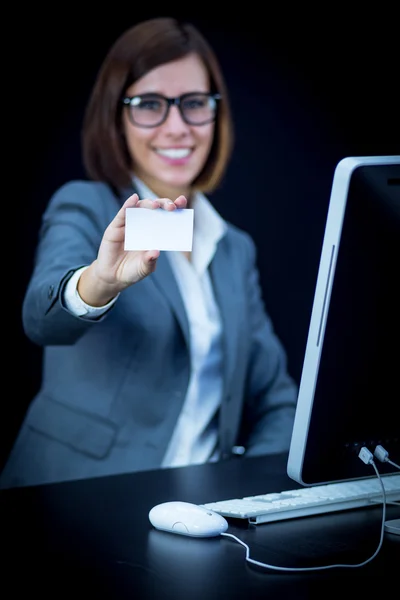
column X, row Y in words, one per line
column 85, row 432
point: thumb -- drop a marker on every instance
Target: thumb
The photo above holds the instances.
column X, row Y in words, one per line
column 150, row 260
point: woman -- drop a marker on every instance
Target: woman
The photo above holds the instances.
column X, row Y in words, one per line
column 150, row 359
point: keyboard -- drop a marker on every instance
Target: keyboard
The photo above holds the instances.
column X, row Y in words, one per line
column 308, row 501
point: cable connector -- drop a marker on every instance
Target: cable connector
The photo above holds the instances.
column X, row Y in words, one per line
column 381, row 454
column 366, row 456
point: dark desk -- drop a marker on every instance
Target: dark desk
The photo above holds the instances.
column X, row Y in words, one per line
column 93, row 539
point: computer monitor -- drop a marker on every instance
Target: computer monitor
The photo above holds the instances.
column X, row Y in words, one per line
column 349, row 393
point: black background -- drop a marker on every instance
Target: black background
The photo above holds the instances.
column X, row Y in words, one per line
column 308, row 88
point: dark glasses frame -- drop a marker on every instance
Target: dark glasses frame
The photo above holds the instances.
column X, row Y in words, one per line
column 129, row 101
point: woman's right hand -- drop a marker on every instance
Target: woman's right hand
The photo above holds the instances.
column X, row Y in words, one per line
column 115, row 268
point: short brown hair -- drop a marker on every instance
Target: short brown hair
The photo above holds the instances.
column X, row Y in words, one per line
column 140, row 49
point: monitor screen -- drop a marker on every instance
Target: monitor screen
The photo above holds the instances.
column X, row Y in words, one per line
column 349, row 394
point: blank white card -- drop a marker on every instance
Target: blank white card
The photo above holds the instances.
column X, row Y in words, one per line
column 158, row 229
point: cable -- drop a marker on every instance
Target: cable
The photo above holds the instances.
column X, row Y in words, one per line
column 367, row 457
column 383, row 455
column 393, row 464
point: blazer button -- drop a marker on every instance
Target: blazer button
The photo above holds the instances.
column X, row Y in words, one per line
column 50, row 292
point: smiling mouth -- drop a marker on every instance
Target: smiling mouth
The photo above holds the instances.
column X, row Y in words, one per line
column 174, row 152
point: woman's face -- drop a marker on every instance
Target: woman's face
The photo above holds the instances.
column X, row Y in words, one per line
column 169, row 157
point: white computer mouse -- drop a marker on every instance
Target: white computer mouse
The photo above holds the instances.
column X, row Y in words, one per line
column 393, row 526
column 187, row 519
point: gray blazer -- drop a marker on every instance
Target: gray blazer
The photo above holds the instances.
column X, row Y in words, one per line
column 112, row 389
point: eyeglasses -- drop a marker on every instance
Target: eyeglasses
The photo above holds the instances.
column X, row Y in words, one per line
column 151, row 110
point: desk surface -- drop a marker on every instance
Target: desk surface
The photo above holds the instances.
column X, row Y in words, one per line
column 94, row 537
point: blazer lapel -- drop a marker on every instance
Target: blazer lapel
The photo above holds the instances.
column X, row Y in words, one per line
column 226, row 298
column 228, row 304
column 164, row 279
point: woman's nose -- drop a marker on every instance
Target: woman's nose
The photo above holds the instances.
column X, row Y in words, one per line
column 174, row 120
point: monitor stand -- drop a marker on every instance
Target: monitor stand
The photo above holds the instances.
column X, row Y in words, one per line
column 393, row 526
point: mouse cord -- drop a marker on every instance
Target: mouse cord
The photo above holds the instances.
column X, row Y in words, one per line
column 323, row 567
